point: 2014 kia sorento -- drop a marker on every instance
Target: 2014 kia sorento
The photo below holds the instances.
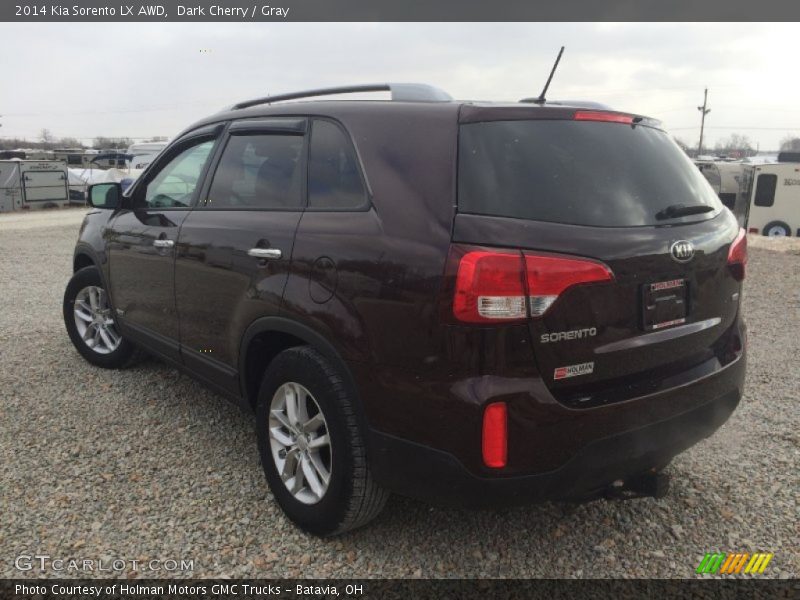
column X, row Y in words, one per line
column 465, row 302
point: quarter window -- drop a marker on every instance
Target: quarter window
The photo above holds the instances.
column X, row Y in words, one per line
column 334, row 178
column 765, row 190
column 259, row 171
column 174, row 185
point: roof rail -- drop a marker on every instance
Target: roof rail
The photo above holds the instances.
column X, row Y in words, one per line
column 401, row 92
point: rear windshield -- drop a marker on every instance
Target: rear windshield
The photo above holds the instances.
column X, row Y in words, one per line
column 577, row 172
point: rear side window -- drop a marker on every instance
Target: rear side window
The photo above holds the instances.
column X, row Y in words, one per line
column 765, row 190
column 259, row 172
column 577, row 172
column 334, row 178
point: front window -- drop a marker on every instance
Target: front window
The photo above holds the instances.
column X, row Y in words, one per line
column 174, row 185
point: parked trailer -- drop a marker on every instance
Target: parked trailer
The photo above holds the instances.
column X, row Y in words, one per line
column 727, row 179
column 774, row 197
column 143, row 153
column 33, row 184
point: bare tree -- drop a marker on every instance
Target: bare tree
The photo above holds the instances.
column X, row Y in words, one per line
column 69, row 142
column 108, row 143
column 46, row 137
column 685, row 147
column 736, row 145
column 790, row 143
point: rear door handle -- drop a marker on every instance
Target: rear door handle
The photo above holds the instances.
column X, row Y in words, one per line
column 163, row 243
column 268, row 253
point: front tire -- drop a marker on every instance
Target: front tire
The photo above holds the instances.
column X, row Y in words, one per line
column 91, row 323
column 312, row 449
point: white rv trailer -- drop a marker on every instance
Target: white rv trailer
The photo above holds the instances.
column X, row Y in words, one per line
column 774, row 198
column 33, row 184
column 143, row 153
column 726, row 178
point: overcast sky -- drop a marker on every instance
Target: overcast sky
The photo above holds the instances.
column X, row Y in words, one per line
column 141, row 80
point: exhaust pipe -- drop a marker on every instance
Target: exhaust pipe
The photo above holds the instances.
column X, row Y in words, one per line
column 652, row 484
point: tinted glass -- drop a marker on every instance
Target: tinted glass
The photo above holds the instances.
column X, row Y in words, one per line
column 259, row 171
column 334, row 180
column 584, row 173
column 765, row 190
column 174, row 184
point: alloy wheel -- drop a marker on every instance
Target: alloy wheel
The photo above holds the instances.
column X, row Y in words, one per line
column 94, row 322
column 300, row 443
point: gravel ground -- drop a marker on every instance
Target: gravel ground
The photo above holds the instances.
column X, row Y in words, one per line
column 147, row 464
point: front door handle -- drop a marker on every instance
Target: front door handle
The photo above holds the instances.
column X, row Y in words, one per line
column 163, row 243
column 268, row 253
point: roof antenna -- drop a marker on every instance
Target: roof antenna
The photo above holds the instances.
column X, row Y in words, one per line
column 541, row 99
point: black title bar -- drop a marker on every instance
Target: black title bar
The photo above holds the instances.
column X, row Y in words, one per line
column 399, row 10
column 389, row 589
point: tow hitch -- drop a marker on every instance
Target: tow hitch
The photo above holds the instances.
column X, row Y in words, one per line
column 651, row 484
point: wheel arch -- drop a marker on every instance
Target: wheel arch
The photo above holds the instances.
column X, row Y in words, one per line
column 81, row 260
column 287, row 334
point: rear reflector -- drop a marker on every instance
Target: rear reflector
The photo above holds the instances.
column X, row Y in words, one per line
column 607, row 117
column 737, row 256
column 509, row 285
column 495, row 435
column 753, row 230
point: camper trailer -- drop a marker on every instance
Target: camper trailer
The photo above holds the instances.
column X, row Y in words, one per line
column 33, row 184
column 143, row 153
column 726, row 178
column 774, row 197
column 74, row 157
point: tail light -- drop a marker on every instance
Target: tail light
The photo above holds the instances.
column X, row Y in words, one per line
column 495, row 435
column 548, row 276
column 489, row 287
column 497, row 286
column 737, row 256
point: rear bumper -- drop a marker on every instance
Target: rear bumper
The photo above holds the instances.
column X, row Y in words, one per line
column 439, row 477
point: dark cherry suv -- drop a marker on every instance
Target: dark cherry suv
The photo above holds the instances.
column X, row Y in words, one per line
column 464, row 302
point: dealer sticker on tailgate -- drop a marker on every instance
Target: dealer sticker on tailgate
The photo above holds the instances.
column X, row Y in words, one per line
column 573, row 370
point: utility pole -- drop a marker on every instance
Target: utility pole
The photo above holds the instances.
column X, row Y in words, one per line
column 703, row 112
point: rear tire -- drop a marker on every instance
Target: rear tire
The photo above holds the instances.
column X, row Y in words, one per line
column 777, row 229
column 351, row 498
column 92, row 327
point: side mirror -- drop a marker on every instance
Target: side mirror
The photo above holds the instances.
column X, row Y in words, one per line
column 105, row 195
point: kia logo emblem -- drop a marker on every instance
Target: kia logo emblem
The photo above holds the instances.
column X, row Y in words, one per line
column 682, row 251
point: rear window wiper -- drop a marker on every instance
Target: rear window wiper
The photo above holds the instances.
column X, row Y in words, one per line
column 682, row 210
